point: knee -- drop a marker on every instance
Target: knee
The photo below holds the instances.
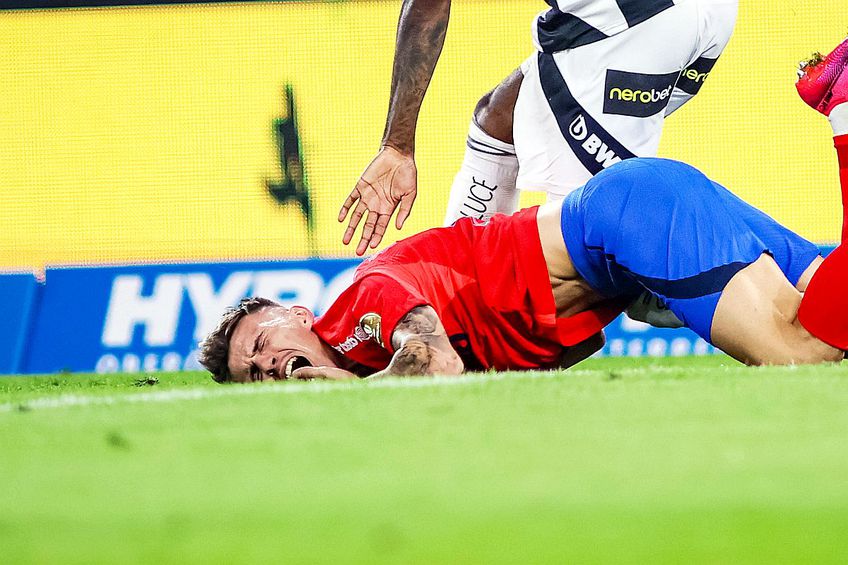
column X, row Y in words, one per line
column 816, row 351
column 756, row 320
column 801, row 349
column 482, row 107
column 493, row 118
column 812, row 350
column 832, row 356
column 494, row 110
column 797, row 358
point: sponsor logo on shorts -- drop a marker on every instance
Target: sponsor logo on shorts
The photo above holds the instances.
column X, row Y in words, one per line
column 638, row 95
column 594, row 146
column 591, row 143
column 693, row 76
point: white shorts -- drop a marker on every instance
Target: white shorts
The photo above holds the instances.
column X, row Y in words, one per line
column 583, row 109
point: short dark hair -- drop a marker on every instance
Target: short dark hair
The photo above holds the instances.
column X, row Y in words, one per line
column 215, row 349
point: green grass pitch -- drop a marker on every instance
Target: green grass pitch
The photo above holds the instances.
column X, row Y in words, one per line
column 695, row 460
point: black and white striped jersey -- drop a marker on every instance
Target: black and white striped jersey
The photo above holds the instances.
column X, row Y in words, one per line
column 572, row 23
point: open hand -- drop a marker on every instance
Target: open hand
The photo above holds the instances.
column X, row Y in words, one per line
column 389, row 183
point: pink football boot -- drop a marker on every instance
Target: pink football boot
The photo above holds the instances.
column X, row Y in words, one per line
column 822, row 83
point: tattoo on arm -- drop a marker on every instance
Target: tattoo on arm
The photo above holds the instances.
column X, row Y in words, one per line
column 421, row 321
column 420, row 36
column 422, row 347
column 411, row 359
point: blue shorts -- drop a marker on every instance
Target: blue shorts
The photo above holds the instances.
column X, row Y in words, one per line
column 663, row 226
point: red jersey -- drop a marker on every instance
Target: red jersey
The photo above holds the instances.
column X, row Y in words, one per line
column 489, row 285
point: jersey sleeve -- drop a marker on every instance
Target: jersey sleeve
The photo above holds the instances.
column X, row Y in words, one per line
column 360, row 322
column 390, row 299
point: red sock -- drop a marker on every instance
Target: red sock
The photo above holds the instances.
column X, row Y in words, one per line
column 841, row 144
column 824, row 307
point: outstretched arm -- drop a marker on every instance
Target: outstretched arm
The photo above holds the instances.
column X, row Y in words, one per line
column 390, row 181
column 421, row 347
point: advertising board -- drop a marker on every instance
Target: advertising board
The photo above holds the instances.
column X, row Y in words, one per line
column 152, row 317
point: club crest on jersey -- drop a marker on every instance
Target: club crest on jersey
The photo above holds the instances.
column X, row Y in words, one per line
column 367, row 329
column 637, row 95
column 370, row 326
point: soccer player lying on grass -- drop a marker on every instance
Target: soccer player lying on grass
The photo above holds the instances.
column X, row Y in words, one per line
column 534, row 290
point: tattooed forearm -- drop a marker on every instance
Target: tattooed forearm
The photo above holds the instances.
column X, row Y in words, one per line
column 420, row 37
column 420, row 322
column 421, row 347
column 411, row 359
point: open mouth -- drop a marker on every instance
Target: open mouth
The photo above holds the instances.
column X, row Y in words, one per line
column 296, row 362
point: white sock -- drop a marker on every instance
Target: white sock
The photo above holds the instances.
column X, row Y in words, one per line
column 485, row 184
column 839, row 119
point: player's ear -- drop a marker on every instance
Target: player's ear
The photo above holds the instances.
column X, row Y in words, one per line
column 302, row 316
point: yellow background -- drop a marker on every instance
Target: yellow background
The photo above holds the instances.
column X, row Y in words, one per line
column 145, row 133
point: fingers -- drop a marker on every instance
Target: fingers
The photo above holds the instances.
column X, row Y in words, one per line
column 348, row 204
column 307, row 373
column 376, row 223
column 322, row 373
column 380, row 229
column 367, row 232
column 404, row 209
column 360, row 211
column 373, row 231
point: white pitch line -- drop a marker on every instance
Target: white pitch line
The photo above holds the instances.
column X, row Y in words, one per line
column 70, row 400
column 310, row 387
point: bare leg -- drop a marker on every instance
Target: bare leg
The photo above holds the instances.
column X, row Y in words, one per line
column 808, row 273
column 824, row 86
column 485, row 184
column 494, row 110
column 825, row 303
column 756, row 320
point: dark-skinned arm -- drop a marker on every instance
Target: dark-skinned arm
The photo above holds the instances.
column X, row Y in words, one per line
column 422, row 347
column 391, row 180
column 421, row 32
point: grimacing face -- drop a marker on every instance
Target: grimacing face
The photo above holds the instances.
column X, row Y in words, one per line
column 272, row 342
